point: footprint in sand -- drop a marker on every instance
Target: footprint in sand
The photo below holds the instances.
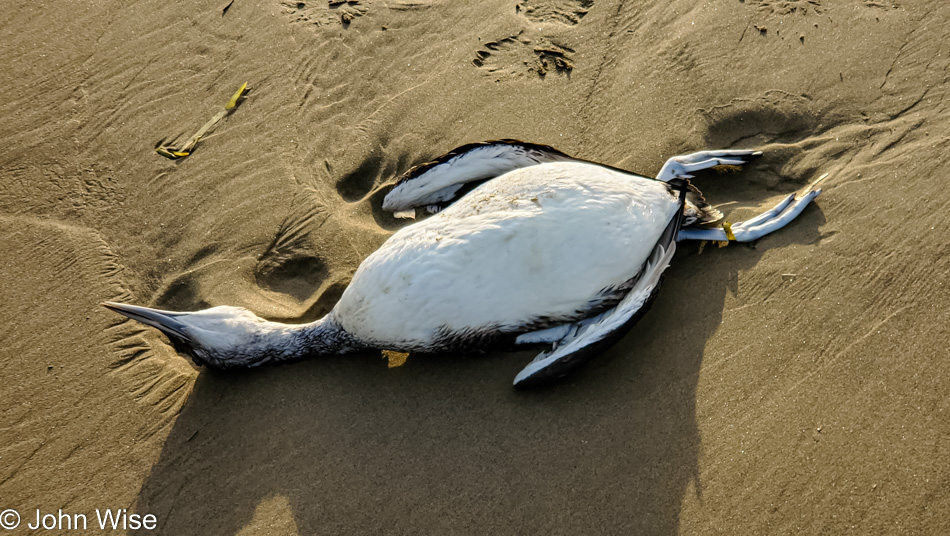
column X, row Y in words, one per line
column 568, row 12
column 813, row 7
column 883, row 4
column 324, row 12
column 786, row 7
column 517, row 55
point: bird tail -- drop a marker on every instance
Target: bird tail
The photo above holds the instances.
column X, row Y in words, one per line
column 697, row 211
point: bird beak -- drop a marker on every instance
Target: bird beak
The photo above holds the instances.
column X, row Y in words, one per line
column 166, row 321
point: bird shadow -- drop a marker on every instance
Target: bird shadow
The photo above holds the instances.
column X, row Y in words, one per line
column 446, row 446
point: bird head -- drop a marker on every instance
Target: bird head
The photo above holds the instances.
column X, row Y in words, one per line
column 220, row 337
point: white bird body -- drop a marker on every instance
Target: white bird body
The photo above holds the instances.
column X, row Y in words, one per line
column 538, row 244
column 554, row 250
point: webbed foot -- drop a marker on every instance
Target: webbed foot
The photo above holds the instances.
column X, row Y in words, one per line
column 750, row 230
column 681, row 166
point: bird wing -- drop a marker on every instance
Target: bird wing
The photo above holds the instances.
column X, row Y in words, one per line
column 435, row 184
column 576, row 342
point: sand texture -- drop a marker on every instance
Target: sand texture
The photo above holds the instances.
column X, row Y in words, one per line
column 797, row 387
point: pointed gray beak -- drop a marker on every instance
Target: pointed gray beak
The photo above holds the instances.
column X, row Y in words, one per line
column 166, row 321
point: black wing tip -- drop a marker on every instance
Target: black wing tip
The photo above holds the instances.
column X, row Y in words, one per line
column 555, row 373
column 419, row 169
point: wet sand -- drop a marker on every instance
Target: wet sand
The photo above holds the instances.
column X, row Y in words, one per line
column 799, row 386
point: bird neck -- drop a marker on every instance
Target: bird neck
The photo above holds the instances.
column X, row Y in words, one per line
column 283, row 343
column 323, row 337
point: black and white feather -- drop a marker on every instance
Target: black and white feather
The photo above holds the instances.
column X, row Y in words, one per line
column 436, row 183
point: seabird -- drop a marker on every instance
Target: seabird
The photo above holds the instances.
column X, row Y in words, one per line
column 527, row 246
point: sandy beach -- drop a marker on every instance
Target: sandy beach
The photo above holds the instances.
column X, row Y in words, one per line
column 799, row 386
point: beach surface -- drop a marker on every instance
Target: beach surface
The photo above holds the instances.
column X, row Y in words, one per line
column 799, row 386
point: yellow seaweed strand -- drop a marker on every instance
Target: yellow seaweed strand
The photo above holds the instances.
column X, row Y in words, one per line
column 237, row 95
column 189, row 146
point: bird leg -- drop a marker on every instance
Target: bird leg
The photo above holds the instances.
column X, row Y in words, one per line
column 757, row 227
column 681, row 166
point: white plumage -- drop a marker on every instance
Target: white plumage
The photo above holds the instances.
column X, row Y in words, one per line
column 536, row 243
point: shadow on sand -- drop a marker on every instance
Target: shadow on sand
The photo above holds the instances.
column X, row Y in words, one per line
column 446, row 446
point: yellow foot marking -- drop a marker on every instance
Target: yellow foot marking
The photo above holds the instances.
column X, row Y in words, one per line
column 727, row 168
column 396, row 359
column 726, row 226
